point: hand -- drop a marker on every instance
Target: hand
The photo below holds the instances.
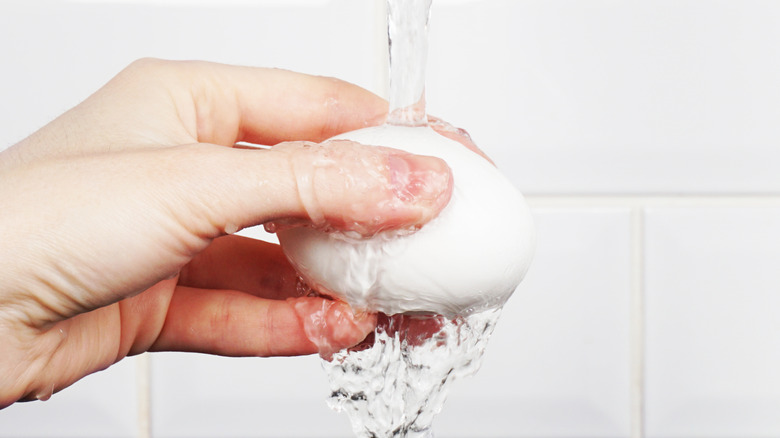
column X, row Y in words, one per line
column 116, row 218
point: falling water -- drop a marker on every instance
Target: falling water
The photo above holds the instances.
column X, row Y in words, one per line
column 396, row 381
column 407, row 36
column 394, row 384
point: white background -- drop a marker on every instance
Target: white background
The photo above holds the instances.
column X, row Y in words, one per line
column 646, row 136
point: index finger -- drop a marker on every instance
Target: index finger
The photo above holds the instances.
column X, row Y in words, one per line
column 269, row 106
column 157, row 103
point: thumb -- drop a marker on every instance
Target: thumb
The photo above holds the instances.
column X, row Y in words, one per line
column 338, row 185
column 114, row 224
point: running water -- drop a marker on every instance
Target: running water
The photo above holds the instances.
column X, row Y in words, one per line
column 394, row 383
column 407, row 34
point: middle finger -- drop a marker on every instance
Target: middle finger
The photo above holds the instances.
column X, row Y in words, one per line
column 243, row 264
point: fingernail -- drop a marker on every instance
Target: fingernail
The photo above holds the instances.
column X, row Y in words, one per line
column 418, row 179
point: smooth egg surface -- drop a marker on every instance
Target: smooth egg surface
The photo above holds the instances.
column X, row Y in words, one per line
column 471, row 257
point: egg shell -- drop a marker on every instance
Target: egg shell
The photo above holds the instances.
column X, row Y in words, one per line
column 471, row 257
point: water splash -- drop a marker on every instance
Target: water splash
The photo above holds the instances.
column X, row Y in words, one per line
column 394, row 384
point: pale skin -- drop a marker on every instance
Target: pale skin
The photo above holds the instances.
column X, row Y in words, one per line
column 116, row 218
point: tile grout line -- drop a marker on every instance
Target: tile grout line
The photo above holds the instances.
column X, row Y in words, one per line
column 143, row 388
column 637, row 318
column 643, row 201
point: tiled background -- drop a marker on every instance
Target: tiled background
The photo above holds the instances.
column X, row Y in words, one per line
column 645, row 134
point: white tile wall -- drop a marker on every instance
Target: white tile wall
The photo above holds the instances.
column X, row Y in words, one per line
column 104, row 404
column 201, row 396
column 606, row 96
column 558, row 364
column 650, row 308
column 713, row 332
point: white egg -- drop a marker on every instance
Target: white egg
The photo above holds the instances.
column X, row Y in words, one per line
column 471, row 257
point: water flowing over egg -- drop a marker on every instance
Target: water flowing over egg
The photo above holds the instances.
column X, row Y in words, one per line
column 471, row 257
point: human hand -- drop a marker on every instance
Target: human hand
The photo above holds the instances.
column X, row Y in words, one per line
column 116, row 218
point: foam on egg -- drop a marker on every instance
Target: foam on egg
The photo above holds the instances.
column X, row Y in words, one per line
column 471, row 257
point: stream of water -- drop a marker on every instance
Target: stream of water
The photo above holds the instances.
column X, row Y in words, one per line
column 396, row 381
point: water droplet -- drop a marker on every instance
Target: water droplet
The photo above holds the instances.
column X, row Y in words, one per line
column 270, row 227
column 47, row 393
